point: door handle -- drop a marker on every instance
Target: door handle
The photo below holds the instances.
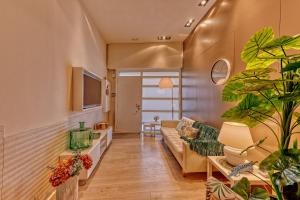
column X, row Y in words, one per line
column 138, row 107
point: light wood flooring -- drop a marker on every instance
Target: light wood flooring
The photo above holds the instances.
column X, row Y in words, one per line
column 137, row 168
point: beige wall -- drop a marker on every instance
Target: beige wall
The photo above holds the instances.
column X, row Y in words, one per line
column 145, row 56
column 40, row 42
column 222, row 34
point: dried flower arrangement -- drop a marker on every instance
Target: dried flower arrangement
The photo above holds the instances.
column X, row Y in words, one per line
column 68, row 168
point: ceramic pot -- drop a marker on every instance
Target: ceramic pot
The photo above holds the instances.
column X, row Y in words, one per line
column 68, row 190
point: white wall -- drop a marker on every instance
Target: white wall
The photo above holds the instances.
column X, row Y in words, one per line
column 145, row 55
column 40, row 42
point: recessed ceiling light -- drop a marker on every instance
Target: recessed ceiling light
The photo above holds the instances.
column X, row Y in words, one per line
column 189, row 23
column 203, row 2
column 164, row 37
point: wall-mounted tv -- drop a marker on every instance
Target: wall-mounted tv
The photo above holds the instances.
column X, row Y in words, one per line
column 87, row 89
column 91, row 91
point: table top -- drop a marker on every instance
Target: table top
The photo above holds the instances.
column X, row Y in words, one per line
column 218, row 162
column 152, row 123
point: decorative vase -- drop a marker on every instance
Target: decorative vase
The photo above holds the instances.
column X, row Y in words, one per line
column 68, row 190
column 80, row 138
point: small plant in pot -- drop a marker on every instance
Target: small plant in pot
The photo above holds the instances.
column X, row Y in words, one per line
column 268, row 93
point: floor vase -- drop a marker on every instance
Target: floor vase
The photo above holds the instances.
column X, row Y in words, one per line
column 68, row 190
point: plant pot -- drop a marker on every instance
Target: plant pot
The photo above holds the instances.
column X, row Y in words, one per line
column 290, row 192
column 68, row 190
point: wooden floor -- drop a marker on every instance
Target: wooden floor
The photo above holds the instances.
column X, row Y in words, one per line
column 136, row 168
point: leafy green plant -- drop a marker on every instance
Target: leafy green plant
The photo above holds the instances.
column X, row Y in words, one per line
column 243, row 188
column 268, row 93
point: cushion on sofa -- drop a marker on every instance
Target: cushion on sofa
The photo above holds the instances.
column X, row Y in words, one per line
column 218, row 190
column 166, row 131
column 172, row 136
column 184, row 122
column 189, row 132
column 175, row 141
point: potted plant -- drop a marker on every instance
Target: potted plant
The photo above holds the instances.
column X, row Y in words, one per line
column 64, row 176
column 268, row 93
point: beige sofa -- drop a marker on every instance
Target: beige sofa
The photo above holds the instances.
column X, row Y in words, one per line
column 189, row 160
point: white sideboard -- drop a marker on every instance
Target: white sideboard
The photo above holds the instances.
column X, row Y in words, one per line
column 96, row 151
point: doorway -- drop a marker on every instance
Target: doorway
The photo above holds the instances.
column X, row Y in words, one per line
column 139, row 99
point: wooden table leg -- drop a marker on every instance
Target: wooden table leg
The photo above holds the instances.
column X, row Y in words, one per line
column 209, row 169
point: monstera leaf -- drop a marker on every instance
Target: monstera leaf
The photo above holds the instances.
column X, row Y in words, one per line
column 265, row 59
column 285, row 166
column 286, row 42
column 251, row 111
column 230, row 92
column 243, row 188
column 256, row 43
column 234, row 87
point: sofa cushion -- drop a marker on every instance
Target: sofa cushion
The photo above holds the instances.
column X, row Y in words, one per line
column 167, row 131
column 176, row 142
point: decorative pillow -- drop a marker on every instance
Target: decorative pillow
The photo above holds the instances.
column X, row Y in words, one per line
column 184, row 122
column 189, row 132
column 220, row 191
column 180, row 126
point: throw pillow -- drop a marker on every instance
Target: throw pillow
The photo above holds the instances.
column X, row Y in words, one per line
column 179, row 126
column 220, row 191
column 184, row 122
column 189, row 132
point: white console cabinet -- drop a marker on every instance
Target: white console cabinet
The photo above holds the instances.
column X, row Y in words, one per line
column 95, row 151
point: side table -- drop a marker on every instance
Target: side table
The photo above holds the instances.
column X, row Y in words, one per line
column 254, row 179
column 150, row 127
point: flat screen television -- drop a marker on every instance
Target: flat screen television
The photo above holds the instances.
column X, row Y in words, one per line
column 91, row 91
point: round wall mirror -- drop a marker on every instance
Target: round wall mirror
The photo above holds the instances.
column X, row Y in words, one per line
column 220, row 71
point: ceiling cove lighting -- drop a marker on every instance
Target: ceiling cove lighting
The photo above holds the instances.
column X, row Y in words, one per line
column 164, row 37
column 189, row 23
column 203, row 2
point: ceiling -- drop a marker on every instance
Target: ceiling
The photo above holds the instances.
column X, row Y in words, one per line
column 120, row 21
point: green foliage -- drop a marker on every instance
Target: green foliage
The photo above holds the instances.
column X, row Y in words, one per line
column 243, row 189
column 267, row 93
column 252, row 110
column 292, row 67
column 256, row 43
column 259, row 96
column 219, row 188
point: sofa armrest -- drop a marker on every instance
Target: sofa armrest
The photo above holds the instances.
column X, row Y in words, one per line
column 192, row 161
column 169, row 123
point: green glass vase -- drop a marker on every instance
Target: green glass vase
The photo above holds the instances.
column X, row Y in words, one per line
column 80, row 138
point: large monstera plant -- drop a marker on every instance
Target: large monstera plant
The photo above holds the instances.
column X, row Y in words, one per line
column 268, row 93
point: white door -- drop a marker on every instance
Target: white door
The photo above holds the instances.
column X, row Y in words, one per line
column 128, row 105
